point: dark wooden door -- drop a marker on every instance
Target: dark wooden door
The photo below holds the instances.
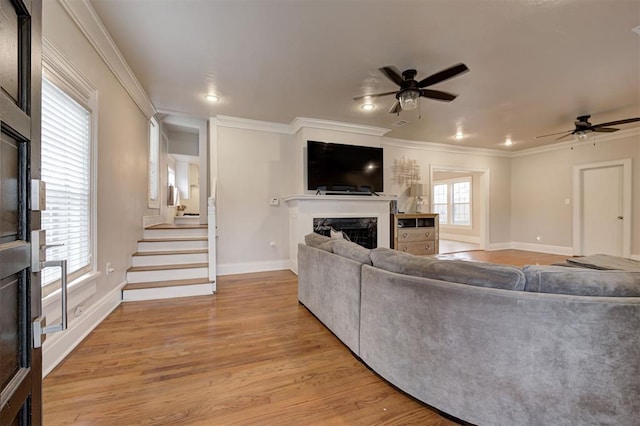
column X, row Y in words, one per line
column 20, row 302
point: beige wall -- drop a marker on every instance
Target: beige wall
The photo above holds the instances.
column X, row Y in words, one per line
column 541, row 182
column 252, row 166
column 122, row 154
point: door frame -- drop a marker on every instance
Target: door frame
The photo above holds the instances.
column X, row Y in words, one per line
column 484, row 175
column 578, row 213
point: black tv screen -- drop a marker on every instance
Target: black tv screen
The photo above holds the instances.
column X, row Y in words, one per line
column 344, row 168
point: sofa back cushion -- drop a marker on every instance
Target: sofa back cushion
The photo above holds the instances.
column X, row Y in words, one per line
column 319, row 241
column 581, row 282
column 479, row 274
column 352, row 251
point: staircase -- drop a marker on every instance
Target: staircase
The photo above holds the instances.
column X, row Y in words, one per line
column 171, row 261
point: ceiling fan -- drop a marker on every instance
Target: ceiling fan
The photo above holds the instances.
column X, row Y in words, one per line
column 407, row 97
column 583, row 127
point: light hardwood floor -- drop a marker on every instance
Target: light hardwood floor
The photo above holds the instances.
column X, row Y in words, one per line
column 248, row 355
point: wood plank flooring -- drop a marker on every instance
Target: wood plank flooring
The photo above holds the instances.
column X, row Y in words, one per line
column 249, row 355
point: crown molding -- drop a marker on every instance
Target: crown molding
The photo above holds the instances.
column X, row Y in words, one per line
column 562, row 146
column 441, row 147
column 300, row 122
column 56, row 66
column 87, row 20
column 248, row 124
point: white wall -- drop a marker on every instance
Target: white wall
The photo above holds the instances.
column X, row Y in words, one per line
column 183, row 143
column 541, row 181
column 123, row 134
column 252, row 166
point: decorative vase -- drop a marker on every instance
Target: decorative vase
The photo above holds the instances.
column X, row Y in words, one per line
column 180, row 213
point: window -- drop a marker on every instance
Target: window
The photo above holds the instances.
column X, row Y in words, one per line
column 154, row 164
column 452, row 201
column 66, row 170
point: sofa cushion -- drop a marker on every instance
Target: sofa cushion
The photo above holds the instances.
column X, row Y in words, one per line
column 581, row 282
column 479, row 274
column 352, row 251
column 319, row 241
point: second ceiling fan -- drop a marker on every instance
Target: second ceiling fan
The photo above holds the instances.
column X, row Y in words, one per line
column 410, row 92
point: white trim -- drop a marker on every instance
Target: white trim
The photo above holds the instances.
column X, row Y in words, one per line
column 247, row 267
column 338, row 126
column 297, row 124
column 148, row 221
column 87, row 20
column 485, row 184
column 563, row 146
column 441, row 147
column 499, row 246
column 58, row 346
column 543, row 248
column 626, row 165
column 168, row 292
column 59, row 70
column 247, row 124
column 471, row 239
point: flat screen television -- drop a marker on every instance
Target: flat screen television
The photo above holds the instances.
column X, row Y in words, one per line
column 340, row 168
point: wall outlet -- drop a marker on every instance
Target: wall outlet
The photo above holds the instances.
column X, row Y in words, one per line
column 538, row 238
column 109, row 269
column 272, row 244
column 274, row 201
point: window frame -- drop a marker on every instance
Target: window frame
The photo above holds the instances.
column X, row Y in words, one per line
column 450, row 202
column 62, row 74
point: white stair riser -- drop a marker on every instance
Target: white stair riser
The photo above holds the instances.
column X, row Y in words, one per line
column 170, row 259
column 171, row 245
column 167, row 292
column 175, row 233
column 166, row 275
column 186, row 220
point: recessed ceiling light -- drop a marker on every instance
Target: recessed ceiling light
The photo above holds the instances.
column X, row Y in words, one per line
column 459, row 134
column 212, row 98
column 508, row 141
column 368, row 106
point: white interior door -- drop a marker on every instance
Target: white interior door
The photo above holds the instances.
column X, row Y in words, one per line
column 602, row 210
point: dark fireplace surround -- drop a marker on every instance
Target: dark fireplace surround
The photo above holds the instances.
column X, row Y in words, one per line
column 360, row 230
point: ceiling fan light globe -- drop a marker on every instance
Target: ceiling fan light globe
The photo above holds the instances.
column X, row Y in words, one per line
column 582, row 136
column 409, row 99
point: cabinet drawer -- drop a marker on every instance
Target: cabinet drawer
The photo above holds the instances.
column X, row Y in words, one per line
column 416, row 234
column 426, row 247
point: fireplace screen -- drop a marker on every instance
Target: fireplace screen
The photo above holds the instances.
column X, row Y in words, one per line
column 360, row 230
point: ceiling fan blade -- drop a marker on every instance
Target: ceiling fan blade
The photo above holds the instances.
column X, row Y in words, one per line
column 568, row 132
column 443, row 75
column 605, row 129
column 396, row 108
column 562, row 137
column 615, row 123
column 438, row 95
column 393, row 74
column 375, row 96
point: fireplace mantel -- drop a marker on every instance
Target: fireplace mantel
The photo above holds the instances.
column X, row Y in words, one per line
column 303, row 208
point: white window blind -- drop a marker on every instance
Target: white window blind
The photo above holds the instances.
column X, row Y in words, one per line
column 66, row 169
column 154, row 163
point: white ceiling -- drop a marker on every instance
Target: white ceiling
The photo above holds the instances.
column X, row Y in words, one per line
column 534, row 64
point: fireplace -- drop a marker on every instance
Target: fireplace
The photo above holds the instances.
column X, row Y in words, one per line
column 368, row 214
column 360, row 230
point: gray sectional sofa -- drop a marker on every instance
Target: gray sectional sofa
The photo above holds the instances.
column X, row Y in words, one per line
column 488, row 344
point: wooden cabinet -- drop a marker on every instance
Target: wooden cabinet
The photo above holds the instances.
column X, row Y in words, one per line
column 415, row 233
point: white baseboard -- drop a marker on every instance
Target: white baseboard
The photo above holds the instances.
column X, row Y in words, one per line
column 471, row 239
column 168, row 292
column 152, row 220
column 543, row 248
column 57, row 346
column 243, row 268
column 499, row 246
column 635, row 256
